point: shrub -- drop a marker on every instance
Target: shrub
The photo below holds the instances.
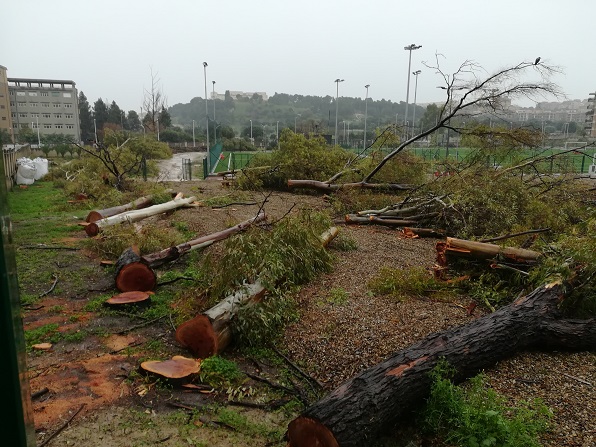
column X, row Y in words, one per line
column 217, row 371
column 402, row 283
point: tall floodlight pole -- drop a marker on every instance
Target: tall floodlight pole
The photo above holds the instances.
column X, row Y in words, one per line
column 365, row 114
column 207, row 117
column 415, row 73
column 409, row 48
column 251, row 140
column 193, row 133
column 213, row 98
column 337, row 81
column 95, row 129
column 39, row 139
column 157, row 124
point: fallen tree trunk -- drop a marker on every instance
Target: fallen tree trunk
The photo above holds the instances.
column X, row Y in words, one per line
column 324, row 186
column 413, row 232
column 355, row 219
column 382, row 396
column 482, row 250
column 141, row 202
column 210, row 333
column 173, row 253
column 94, row 228
column 132, row 273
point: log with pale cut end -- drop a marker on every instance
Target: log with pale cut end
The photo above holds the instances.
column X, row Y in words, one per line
column 141, row 202
column 132, row 297
column 94, row 228
column 482, row 250
column 132, row 273
column 210, row 333
column 387, row 394
column 178, row 367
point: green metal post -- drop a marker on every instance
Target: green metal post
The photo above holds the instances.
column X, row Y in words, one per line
column 15, row 395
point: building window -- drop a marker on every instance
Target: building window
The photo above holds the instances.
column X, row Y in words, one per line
column 68, row 106
column 45, row 104
column 14, row 125
column 56, row 94
column 67, row 95
column 45, row 115
column 57, row 105
column 32, row 93
column 35, row 115
column 68, row 115
column 33, row 104
column 20, row 93
column 44, row 94
column 22, row 115
column 3, row 118
column 2, row 106
column 69, row 126
column 47, row 126
column 22, row 104
column 14, row 115
column 58, row 115
column 33, row 126
column 24, row 126
column 11, row 103
column 57, row 126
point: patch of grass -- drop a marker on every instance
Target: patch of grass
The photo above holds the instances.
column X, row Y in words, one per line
column 336, row 296
column 344, row 243
column 242, row 424
column 477, row 416
column 41, row 334
column 218, row 372
column 74, row 336
column 402, row 283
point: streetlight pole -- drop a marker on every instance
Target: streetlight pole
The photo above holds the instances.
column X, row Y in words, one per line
column 157, row 124
column 251, row 140
column 337, row 81
column 95, row 129
column 207, row 116
column 39, row 140
column 193, row 134
column 365, row 114
column 409, row 48
column 415, row 73
column 213, row 98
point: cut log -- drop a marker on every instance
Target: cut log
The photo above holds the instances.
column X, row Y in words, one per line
column 482, row 250
column 178, row 367
column 94, row 228
column 381, row 397
column 173, row 253
column 324, row 186
column 133, row 297
column 132, row 273
column 210, row 333
column 412, row 232
column 141, row 202
column 361, row 220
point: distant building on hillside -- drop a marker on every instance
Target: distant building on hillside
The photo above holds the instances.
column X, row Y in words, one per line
column 591, row 116
column 236, row 94
column 48, row 106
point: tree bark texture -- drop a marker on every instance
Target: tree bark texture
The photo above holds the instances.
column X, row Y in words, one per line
column 94, row 228
column 483, row 250
column 141, row 202
column 173, row 253
column 132, row 273
column 378, row 398
column 324, row 186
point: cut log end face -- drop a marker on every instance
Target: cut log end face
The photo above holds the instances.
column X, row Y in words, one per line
column 136, row 276
column 177, row 367
column 93, row 216
column 306, row 432
column 132, row 297
column 92, row 229
column 198, row 336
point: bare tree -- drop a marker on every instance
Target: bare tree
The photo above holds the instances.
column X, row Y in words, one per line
column 153, row 103
column 470, row 93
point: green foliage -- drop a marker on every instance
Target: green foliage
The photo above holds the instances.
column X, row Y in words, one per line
column 298, row 157
column 260, row 324
column 41, row 334
column 243, row 425
column 289, row 254
column 218, row 372
column 336, row 296
column 342, row 242
column 402, row 283
column 404, row 168
column 477, row 416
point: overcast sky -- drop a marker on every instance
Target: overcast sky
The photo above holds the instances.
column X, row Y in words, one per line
column 108, row 47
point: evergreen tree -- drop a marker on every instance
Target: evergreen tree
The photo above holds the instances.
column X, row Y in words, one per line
column 165, row 120
column 85, row 119
column 100, row 114
column 115, row 114
column 133, row 121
